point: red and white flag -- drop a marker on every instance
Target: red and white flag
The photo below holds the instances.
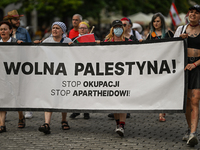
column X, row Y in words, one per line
column 86, row 38
column 176, row 20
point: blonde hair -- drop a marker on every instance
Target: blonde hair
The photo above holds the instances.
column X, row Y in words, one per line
column 111, row 34
column 83, row 22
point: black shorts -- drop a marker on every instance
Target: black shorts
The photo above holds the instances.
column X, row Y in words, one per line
column 194, row 74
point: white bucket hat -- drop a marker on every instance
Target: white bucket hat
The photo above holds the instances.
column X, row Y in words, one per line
column 137, row 26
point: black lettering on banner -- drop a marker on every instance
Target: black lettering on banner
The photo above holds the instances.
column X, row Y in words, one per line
column 119, row 68
column 101, row 93
column 64, row 83
column 24, row 68
column 141, row 67
column 154, row 67
column 48, row 68
column 58, row 92
column 98, row 73
column 101, row 83
column 12, row 67
column 37, row 69
column 130, row 64
column 174, row 65
column 78, row 68
column 61, row 69
column 89, row 69
column 164, row 67
column 108, row 68
column 71, row 83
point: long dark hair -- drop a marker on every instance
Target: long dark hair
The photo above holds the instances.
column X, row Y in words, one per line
column 163, row 28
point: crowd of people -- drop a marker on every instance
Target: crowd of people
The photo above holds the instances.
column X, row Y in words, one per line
column 121, row 30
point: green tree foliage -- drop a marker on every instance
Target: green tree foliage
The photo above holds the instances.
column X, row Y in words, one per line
column 91, row 8
column 130, row 7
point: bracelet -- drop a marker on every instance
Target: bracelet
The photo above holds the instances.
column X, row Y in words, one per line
column 195, row 64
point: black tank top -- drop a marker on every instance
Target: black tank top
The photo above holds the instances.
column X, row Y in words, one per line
column 194, row 42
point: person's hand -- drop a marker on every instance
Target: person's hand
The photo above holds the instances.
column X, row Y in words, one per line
column 37, row 41
column 184, row 35
column 70, row 43
column 19, row 41
column 190, row 66
column 97, row 41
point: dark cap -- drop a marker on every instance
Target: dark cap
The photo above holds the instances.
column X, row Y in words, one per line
column 196, row 7
column 116, row 22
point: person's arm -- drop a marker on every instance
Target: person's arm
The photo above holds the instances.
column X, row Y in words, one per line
column 148, row 36
column 180, row 32
column 171, row 34
column 138, row 36
column 28, row 38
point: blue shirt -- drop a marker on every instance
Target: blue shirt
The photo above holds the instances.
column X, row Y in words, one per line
column 22, row 34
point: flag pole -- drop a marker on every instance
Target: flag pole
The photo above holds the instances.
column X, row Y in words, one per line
column 92, row 29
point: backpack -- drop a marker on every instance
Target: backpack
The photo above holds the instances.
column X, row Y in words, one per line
column 133, row 37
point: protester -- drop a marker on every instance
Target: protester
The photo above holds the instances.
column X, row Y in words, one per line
column 76, row 19
column 191, row 32
column 117, row 35
column 19, row 33
column 129, row 34
column 158, row 31
column 6, row 36
column 127, row 27
column 84, row 29
column 137, row 29
column 158, row 28
column 58, row 36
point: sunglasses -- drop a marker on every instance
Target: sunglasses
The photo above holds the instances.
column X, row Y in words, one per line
column 124, row 25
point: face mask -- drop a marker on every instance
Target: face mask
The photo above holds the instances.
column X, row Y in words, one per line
column 118, row 31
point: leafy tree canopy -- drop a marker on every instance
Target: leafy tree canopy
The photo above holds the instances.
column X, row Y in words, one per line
column 91, row 8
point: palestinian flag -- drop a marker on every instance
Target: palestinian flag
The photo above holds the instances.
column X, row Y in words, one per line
column 176, row 20
column 86, row 38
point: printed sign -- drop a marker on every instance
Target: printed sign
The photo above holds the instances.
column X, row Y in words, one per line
column 98, row 78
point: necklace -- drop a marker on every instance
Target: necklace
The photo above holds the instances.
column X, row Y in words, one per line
column 194, row 25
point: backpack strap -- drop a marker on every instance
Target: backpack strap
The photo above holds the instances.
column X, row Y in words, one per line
column 134, row 33
column 182, row 29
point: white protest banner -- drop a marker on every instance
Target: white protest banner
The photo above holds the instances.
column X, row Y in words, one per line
column 130, row 77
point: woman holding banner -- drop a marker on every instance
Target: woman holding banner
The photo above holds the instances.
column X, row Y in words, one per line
column 117, row 35
column 58, row 36
column 191, row 32
column 6, row 36
column 158, row 31
column 83, row 29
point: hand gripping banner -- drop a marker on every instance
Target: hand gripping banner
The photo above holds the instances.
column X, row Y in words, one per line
column 129, row 77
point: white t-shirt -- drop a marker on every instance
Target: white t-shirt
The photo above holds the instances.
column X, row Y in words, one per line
column 51, row 40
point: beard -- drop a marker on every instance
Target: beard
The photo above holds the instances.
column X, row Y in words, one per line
column 13, row 25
